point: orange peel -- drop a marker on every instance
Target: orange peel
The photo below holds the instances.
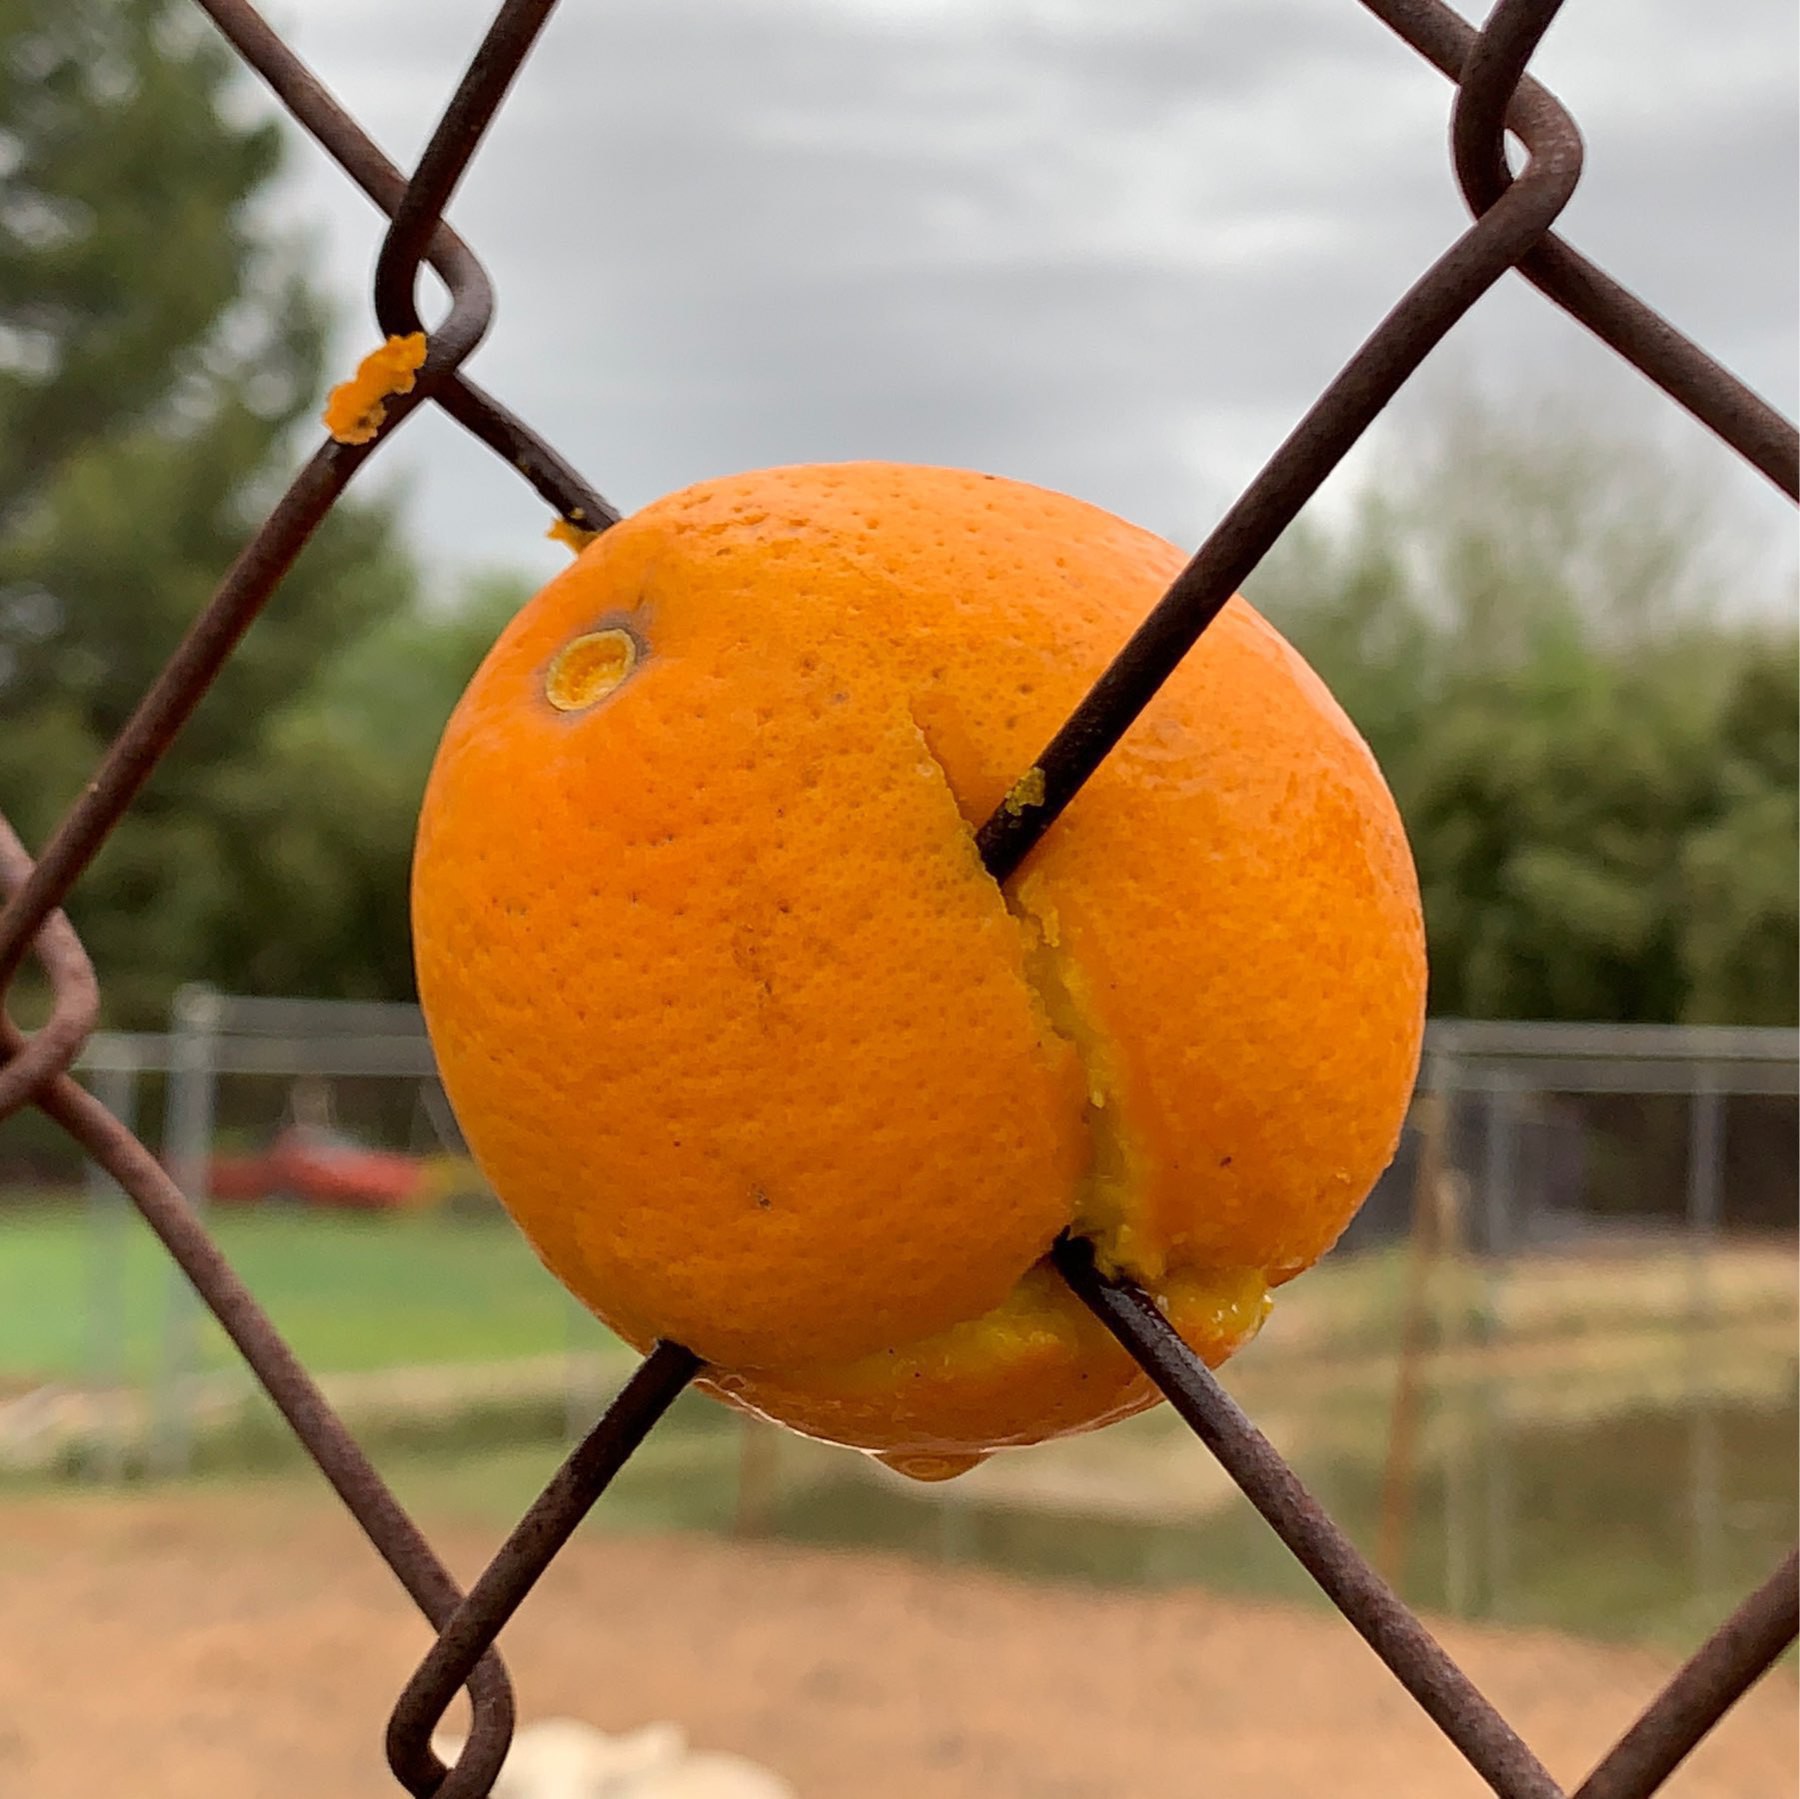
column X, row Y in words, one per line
column 762, row 1060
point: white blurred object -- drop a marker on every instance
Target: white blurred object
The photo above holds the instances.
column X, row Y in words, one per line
column 562, row 1758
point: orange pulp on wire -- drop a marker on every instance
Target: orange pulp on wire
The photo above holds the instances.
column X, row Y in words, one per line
column 355, row 410
column 762, row 1060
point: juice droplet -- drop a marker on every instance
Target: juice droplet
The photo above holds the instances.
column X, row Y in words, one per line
column 916, row 1465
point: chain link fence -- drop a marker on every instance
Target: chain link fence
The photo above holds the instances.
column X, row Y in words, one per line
column 1512, row 230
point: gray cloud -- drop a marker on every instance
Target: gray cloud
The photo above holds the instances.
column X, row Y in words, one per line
column 1116, row 248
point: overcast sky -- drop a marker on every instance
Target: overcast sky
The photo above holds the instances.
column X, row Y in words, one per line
column 1114, row 246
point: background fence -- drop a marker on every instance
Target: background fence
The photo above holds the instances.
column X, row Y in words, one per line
column 1567, row 1310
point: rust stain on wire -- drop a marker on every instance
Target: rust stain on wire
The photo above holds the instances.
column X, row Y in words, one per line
column 1512, row 229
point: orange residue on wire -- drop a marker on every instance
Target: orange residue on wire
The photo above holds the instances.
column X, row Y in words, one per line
column 356, row 408
column 576, row 537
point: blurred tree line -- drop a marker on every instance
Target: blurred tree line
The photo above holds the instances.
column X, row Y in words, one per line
column 1591, row 734
column 1584, row 689
column 161, row 367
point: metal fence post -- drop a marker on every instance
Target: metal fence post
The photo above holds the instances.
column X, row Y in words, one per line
column 1462, row 1333
column 1499, row 1178
column 1706, row 1143
column 1425, row 1242
column 187, row 1148
column 114, row 1083
column 1500, row 1217
column 1706, row 1147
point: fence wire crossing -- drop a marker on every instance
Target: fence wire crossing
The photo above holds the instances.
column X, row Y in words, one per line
column 1512, row 229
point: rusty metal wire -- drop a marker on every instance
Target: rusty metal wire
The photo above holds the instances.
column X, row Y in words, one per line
column 1512, row 225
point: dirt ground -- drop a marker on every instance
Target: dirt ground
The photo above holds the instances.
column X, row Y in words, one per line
column 248, row 1647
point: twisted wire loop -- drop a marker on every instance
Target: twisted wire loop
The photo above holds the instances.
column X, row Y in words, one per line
column 468, row 1634
column 74, row 994
column 1516, row 222
column 345, row 142
column 1511, row 229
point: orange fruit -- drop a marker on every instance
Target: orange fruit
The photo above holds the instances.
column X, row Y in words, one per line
column 762, row 1060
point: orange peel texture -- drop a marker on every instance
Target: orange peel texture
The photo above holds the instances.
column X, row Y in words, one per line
column 356, row 409
column 762, row 1060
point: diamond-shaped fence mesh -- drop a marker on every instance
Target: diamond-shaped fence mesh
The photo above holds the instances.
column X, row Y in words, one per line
column 1513, row 216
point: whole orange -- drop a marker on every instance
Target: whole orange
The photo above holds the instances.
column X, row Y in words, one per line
column 763, row 1061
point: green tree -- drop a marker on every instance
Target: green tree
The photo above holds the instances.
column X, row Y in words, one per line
column 1588, row 714
column 1740, row 900
column 159, row 345
column 367, row 725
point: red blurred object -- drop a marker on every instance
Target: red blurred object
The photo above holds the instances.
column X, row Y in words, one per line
column 315, row 1165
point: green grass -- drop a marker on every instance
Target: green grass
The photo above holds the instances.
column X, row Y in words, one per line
column 1571, row 1504
column 349, row 1292
column 683, row 1478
